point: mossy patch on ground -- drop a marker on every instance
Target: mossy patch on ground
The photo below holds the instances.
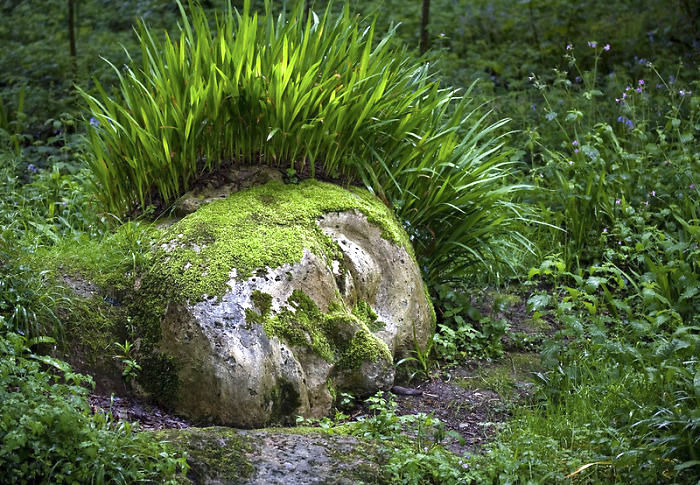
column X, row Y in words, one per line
column 262, row 227
column 504, row 377
column 212, row 454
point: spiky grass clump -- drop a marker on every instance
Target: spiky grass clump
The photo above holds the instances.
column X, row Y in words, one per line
column 302, row 93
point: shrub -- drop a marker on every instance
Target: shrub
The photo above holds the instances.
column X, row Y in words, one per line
column 48, row 435
column 318, row 95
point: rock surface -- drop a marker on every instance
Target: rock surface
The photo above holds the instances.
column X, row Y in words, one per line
column 273, row 300
column 222, row 184
column 291, row 457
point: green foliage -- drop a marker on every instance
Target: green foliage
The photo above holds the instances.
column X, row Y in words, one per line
column 131, row 367
column 413, row 443
column 315, row 94
column 619, row 389
column 49, row 435
column 463, row 332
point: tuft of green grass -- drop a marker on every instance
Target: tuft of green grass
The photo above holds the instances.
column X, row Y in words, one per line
column 316, row 93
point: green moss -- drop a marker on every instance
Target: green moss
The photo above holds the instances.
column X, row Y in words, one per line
column 365, row 313
column 265, row 226
column 431, row 308
column 338, row 336
column 285, row 401
column 213, row 454
column 503, row 377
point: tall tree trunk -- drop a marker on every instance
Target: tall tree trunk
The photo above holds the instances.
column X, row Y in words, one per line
column 425, row 20
column 71, row 38
column 71, row 28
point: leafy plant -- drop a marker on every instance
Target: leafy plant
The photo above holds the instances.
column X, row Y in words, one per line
column 48, row 433
column 463, row 332
column 131, row 367
column 312, row 93
column 413, row 442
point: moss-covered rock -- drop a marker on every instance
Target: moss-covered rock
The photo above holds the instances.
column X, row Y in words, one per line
column 262, row 302
column 290, row 456
column 254, row 309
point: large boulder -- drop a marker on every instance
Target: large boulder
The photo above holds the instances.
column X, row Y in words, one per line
column 267, row 303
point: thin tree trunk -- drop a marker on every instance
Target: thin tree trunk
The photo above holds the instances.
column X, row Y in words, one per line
column 71, row 28
column 71, row 38
column 425, row 20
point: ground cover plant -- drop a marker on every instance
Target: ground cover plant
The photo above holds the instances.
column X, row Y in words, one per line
column 604, row 106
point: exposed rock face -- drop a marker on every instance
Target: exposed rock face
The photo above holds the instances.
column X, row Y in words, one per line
column 266, row 457
column 279, row 296
column 223, row 184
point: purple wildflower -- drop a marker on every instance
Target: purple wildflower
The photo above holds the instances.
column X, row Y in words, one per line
column 569, row 47
column 607, row 47
column 574, row 143
column 94, row 121
column 623, row 119
column 592, row 45
column 691, row 186
column 32, row 168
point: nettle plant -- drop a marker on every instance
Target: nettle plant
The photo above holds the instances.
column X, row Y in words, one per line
column 317, row 95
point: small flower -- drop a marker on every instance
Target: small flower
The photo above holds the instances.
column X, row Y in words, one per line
column 607, row 47
column 571, row 162
column 619, row 243
column 569, row 47
column 576, row 151
column 653, row 193
column 605, row 230
column 592, row 45
column 639, row 90
column 691, row 186
column 32, row 168
column 533, row 107
column 671, row 79
column 618, row 202
column 574, row 143
column 646, row 202
column 641, row 82
column 94, row 122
